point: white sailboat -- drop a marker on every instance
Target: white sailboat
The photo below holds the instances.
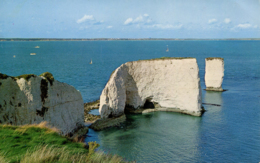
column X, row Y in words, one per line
column 167, row 49
column 90, row 62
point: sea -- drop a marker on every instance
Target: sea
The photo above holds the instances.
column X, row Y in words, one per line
column 226, row 133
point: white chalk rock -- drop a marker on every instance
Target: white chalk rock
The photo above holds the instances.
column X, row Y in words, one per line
column 172, row 83
column 37, row 99
column 214, row 73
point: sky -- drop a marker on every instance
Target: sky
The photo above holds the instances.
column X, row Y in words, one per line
column 207, row 19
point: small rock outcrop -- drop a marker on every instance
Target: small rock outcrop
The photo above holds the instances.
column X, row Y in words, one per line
column 169, row 83
column 31, row 99
column 214, row 73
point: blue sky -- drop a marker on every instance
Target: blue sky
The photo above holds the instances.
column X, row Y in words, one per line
column 130, row 18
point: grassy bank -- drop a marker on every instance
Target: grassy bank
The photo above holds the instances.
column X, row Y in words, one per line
column 38, row 143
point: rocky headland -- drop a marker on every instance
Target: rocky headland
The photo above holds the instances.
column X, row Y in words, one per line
column 166, row 84
column 31, row 99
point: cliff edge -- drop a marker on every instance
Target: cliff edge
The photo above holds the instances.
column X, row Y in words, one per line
column 31, row 99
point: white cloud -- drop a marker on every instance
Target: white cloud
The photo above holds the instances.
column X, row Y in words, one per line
column 165, row 26
column 85, row 18
column 140, row 19
column 227, row 20
column 211, row 21
column 110, row 26
column 244, row 26
column 128, row 21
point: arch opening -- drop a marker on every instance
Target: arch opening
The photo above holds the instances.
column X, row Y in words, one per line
column 148, row 104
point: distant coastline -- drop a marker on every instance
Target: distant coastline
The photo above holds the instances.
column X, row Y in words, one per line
column 116, row 39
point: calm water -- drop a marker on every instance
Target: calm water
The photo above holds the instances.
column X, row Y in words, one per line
column 229, row 133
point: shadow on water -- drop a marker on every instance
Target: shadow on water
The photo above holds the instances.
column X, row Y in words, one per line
column 153, row 137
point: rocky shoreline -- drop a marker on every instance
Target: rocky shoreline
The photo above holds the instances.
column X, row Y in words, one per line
column 90, row 118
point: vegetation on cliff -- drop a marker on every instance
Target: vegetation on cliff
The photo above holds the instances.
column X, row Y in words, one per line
column 212, row 58
column 38, row 143
column 48, row 76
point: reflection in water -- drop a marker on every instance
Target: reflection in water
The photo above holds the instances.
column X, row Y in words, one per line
column 153, row 137
column 213, row 97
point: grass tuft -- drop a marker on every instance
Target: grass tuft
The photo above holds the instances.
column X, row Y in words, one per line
column 26, row 76
column 48, row 76
column 212, row 58
column 3, row 76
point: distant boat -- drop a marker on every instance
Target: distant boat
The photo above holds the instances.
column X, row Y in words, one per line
column 14, row 56
column 37, row 47
column 32, row 53
column 167, row 49
column 90, row 62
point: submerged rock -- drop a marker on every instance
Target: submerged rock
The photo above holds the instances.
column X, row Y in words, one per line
column 169, row 83
column 87, row 108
column 30, row 99
column 214, row 73
column 101, row 124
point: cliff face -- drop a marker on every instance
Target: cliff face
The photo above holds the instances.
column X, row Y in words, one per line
column 33, row 99
column 164, row 83
column 214, row 73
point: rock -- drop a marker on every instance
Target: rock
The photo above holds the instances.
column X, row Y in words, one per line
column 88, row 107
column 101, row 124
column 30, row 99
column 171, row 83
column 214, row 73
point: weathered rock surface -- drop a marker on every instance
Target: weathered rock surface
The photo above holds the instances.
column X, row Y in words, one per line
column 101, row 124
column 171, row 83
column 214, row 73
column 30, row 99
column 87, row 108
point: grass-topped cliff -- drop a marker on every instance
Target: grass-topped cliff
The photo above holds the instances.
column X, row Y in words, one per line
column 212, row 58
column 165, row 58
column 38, row 143
column 46, row 75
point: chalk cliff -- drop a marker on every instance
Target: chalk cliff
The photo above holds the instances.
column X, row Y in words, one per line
column 30, row 99
column 214, row 73
column 171, row 83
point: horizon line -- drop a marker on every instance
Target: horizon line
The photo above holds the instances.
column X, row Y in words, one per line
column 85, row 39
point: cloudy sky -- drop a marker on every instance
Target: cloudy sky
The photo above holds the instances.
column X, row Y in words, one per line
column 129, row 18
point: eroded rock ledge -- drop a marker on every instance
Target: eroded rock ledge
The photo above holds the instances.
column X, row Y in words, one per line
column 30, row 99
column 169, row 83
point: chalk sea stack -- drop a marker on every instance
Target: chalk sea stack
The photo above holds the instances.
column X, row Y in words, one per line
column 214, row 73
column 31, row 99
column 172, row 84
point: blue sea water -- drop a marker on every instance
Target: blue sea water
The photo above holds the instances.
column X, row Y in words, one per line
column 226, row 133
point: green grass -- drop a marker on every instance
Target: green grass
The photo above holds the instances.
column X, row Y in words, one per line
column 15, row 141
column 48, row 76
column 3, row 76
column 38, row 143
column 212, row 58
column 163, row 58
column 26, row 76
